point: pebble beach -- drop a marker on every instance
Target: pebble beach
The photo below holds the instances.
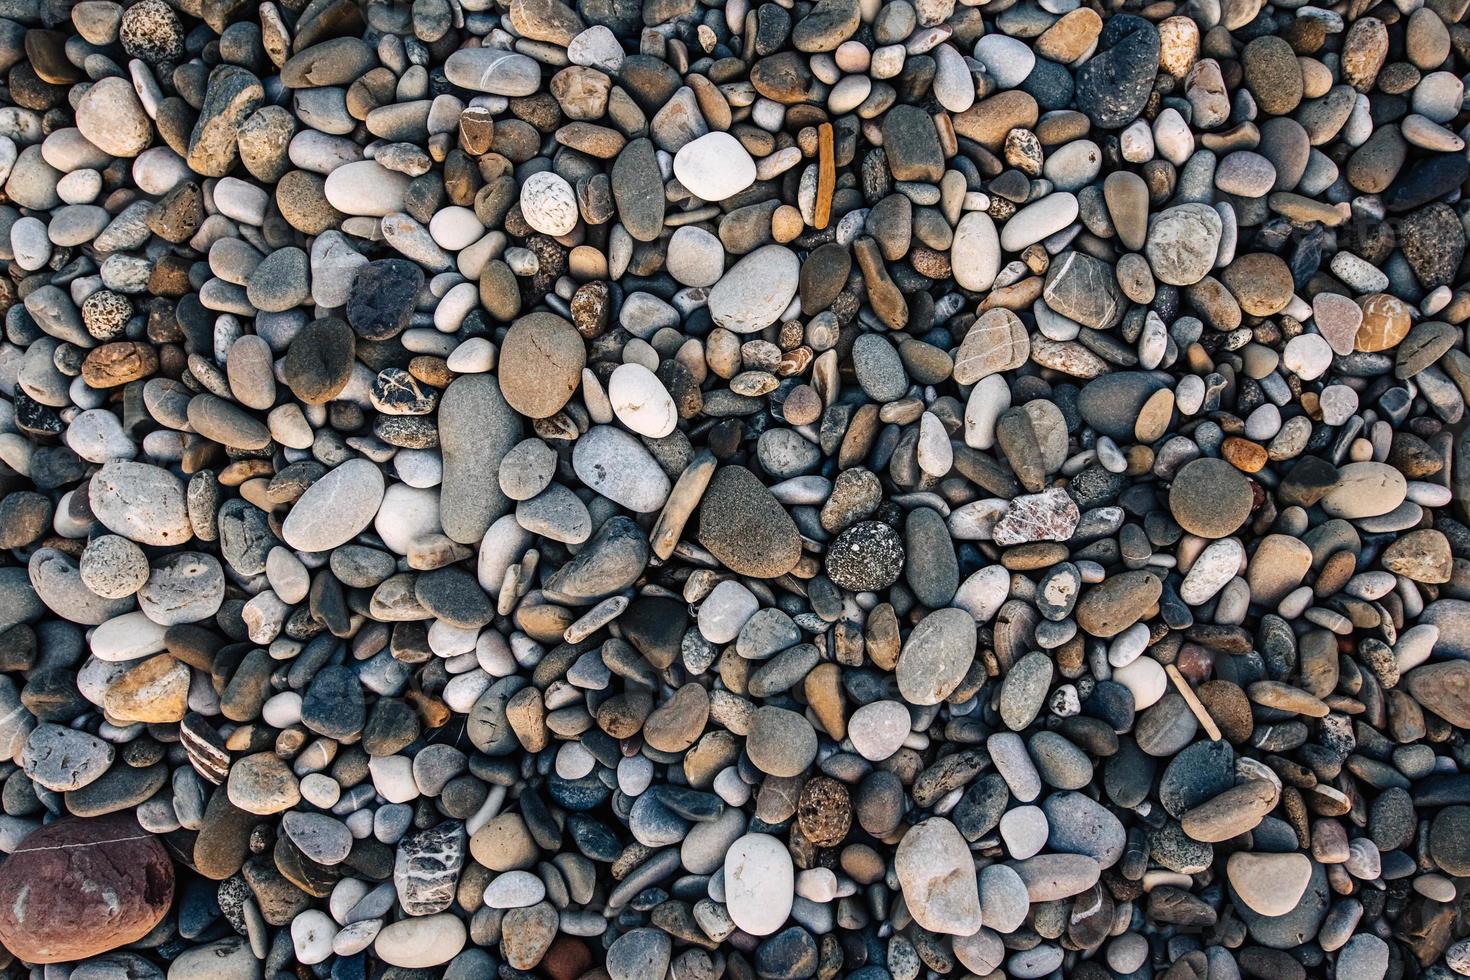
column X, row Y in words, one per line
column 750, row 489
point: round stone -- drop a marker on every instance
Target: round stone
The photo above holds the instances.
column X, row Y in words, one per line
column 879, row 729
column 866, row 557
column 760, row 882
column 1183, row 243
column 714, row 166
column 781, row 742
column 541, row 364
column 112, row 119
column 1271, row 884
column 549, row 204
column 1210, row 497
column 936, row 656
column 641, row 402
column 755, row 291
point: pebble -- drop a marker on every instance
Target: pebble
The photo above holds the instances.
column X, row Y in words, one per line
column 983, row 481
column 754, row 292
column 879, row 729
column 336, row 508
column 1271, row 884
column 937, row 875
column 714, row 167
column 76, row 888
column 641, row 402
column 757, row 874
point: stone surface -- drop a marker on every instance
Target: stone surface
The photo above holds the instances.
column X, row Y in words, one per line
column 759, row 879
column 77, row 888
column 937, row 875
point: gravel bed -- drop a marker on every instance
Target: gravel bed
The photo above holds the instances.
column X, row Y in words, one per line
column 641, row 489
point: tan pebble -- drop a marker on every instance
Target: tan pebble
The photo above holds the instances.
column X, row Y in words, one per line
column 1071, row 37
column 1386, row 321
column 1316, row 78
column 823, row 690
column 1261, row 283
column 786, row 223
column 1178, row 45
column 1244, row 455
column 1363, row 51
column 987, row 122
column 156, row 691
column 1153, row 418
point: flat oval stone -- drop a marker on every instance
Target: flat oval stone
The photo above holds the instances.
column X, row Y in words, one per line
column 975, row 253
column 936, row 656
column 936, row 872
column 1271, row 884
column 420, row 942
column 336, row 508
column 1109, row 608
column 1365, row 490
column 77, row 888
column 1036, row 221
column 541, row 361
column 141, row 502
column 1230, row 813
column 760, row 883
column 494, row 71
column 367, row 188
column 755, row 291
column 549, row 204
column 641, row 402
column 744, row 526
column 477, row 430
column 616, row 465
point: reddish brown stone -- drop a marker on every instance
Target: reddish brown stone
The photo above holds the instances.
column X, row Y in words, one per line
column 567, row 959
column 77, row 888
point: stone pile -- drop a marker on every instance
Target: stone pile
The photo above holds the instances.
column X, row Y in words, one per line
column 782, row 489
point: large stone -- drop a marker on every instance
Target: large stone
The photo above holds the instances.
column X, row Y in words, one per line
column 76, row 888
column 336, row 508
column 936, row 656
column 1084, row 289
column 141, row 502
column 1443, row 688
column 974, row 254
column 936, row 872
column 1114, row 85
column 1271, row 884
column 477, row 428
column 714, row 166
column 744, row 526
column 541, row 362
column 617, row 466
column 1048, row 516
column 996, row 342
column 755, row 291
column 426, row 868
column 759, row 883
column 1182, row 244
column 493, row 70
